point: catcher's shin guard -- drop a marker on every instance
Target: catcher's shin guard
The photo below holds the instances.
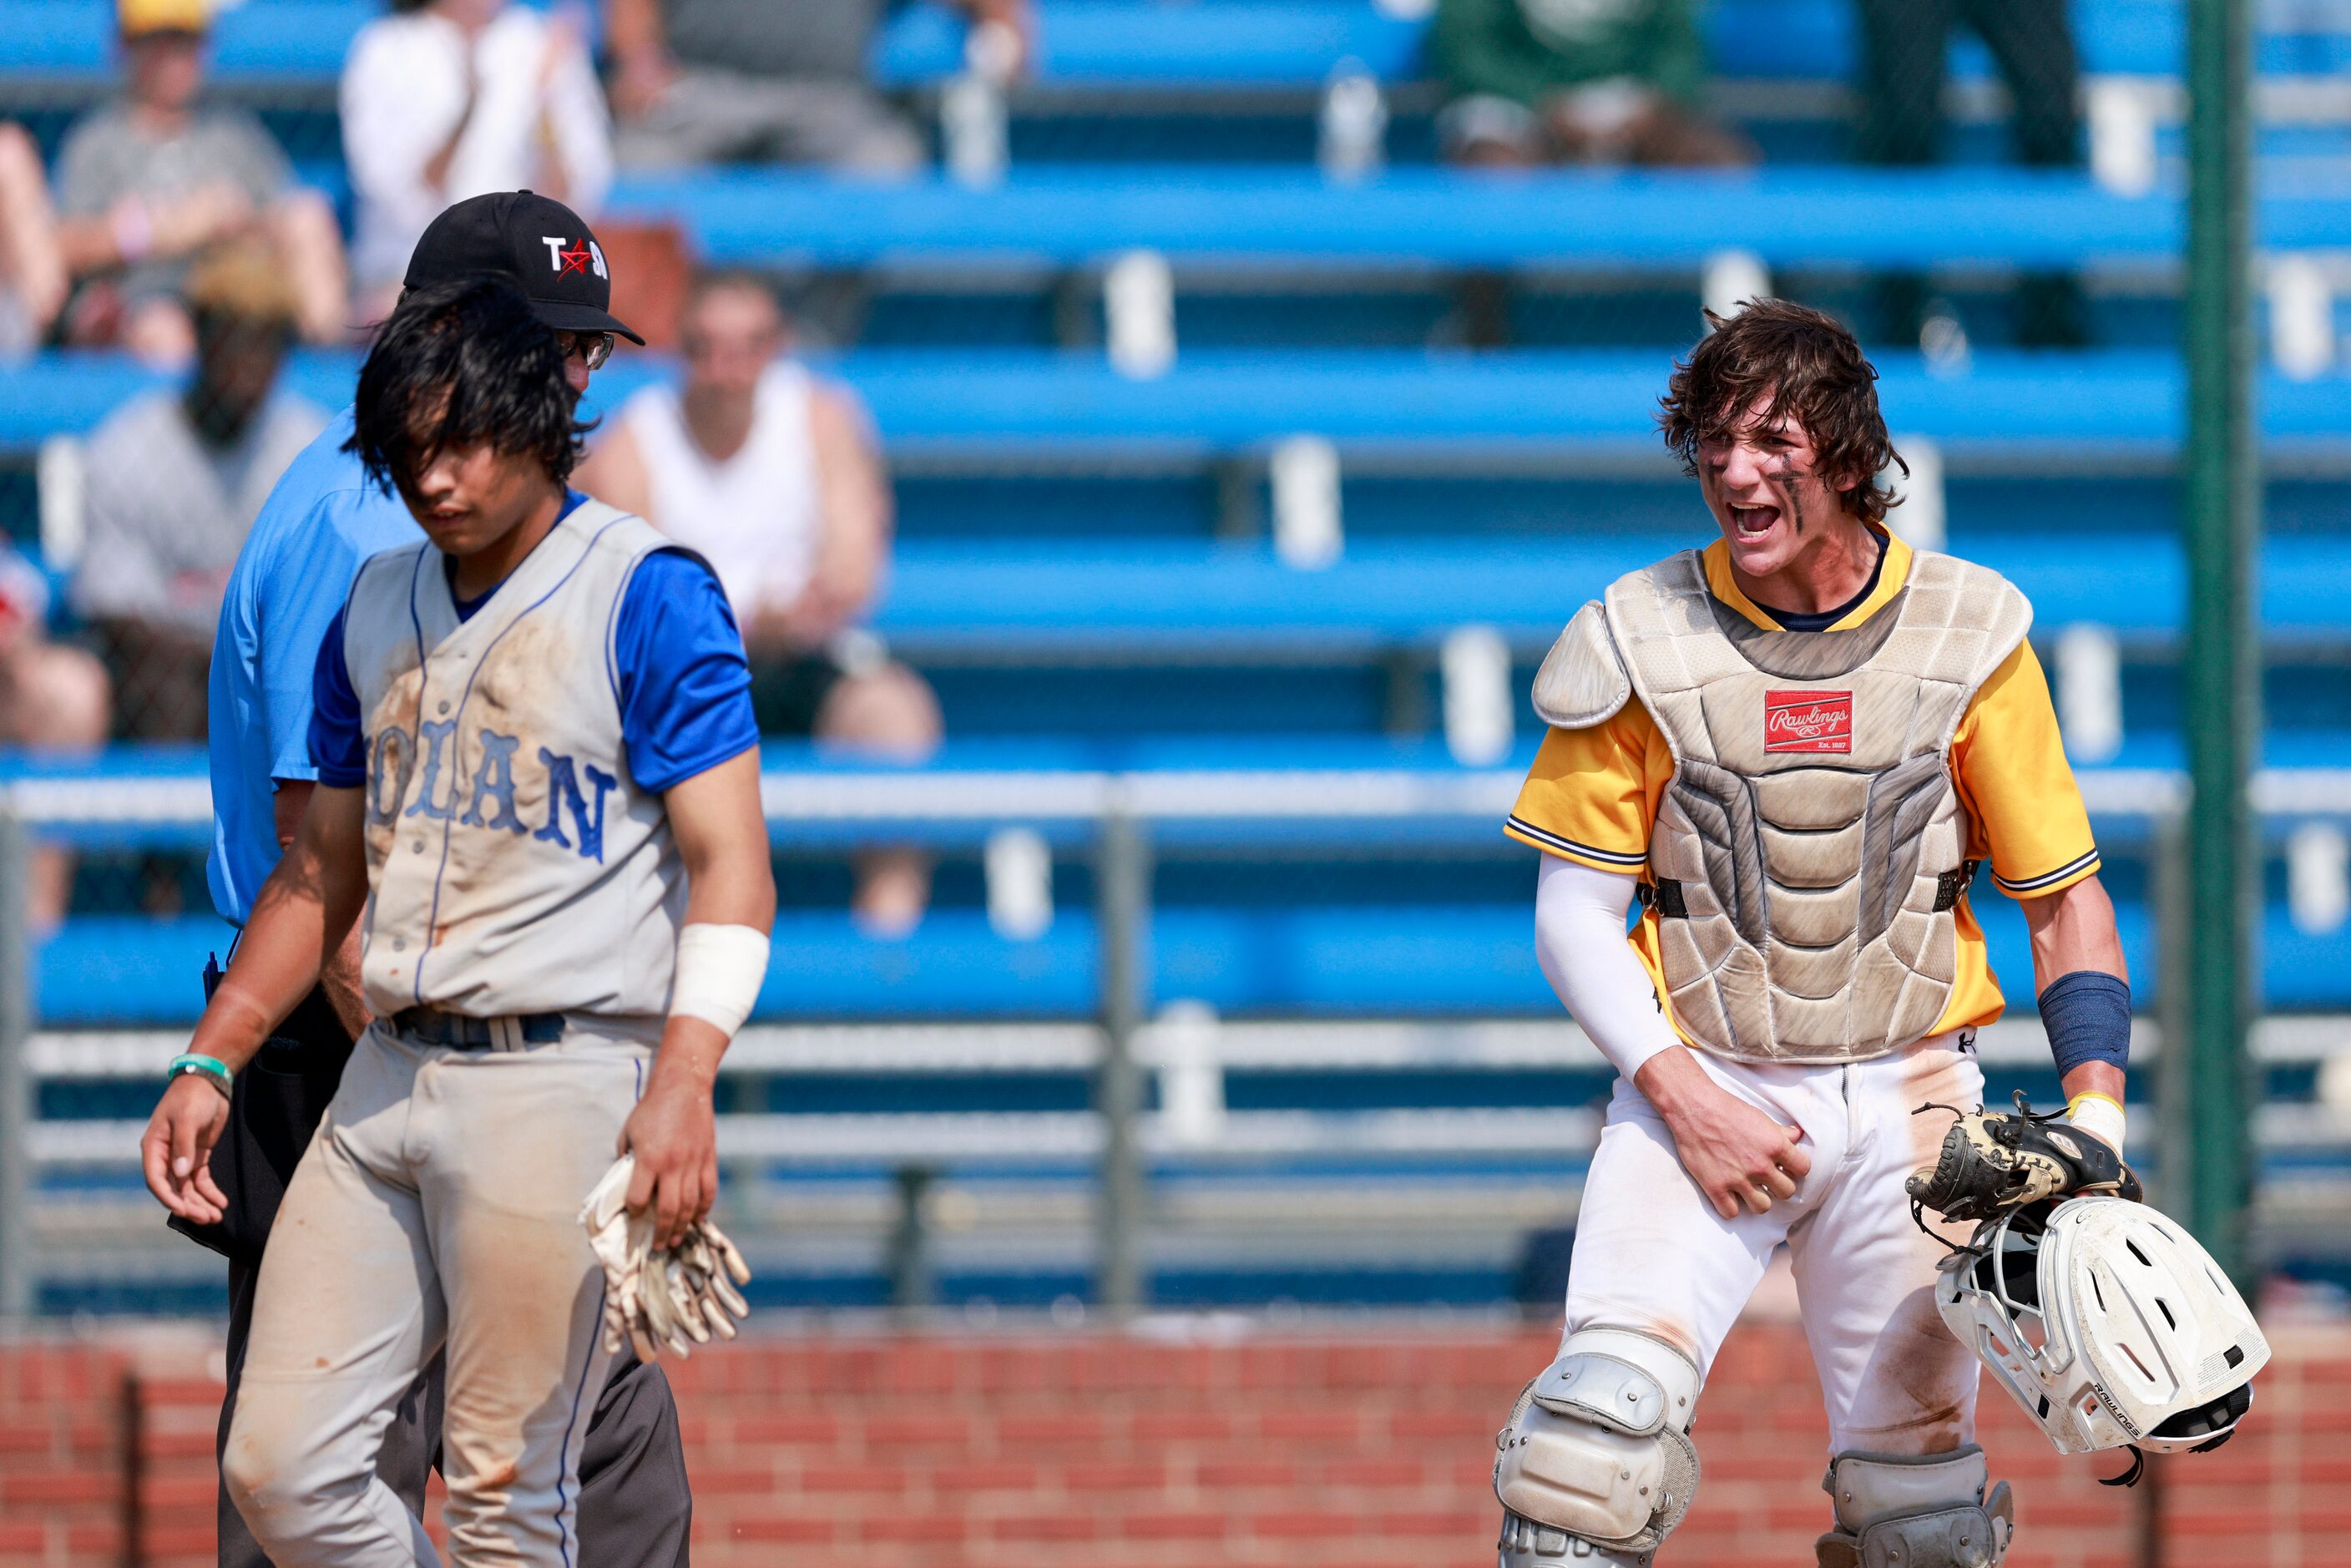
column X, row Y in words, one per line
column 1904, row 1511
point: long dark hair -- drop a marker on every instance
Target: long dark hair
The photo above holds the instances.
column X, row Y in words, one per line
column 459, row 364
column 1813, row 373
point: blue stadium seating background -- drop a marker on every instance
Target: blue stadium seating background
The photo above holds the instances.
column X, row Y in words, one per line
column 1084, row 573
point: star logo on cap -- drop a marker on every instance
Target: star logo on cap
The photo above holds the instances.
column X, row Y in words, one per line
column 577, row 260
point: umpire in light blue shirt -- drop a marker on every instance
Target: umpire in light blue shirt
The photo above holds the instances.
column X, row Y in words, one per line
column 321, row 521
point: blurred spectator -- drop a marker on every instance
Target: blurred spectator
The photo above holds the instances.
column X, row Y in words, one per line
column 175, row 480
column 52, row 697
column 1905, row 46
column 783, row 81
column 147, row 182
column 32, row 266
column 773, row 477
column 444, row 100
column 1576, row 81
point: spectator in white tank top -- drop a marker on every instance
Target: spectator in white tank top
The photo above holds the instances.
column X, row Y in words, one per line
column 772, row 476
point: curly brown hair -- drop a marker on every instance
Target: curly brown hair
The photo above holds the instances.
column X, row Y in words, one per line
column 1813, row 371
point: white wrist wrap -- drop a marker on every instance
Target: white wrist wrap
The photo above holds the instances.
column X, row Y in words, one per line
column 2100, row 1117
column 719, row 972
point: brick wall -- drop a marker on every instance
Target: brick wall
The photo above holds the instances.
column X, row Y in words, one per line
column 63, row 1425
column 1368, row 1450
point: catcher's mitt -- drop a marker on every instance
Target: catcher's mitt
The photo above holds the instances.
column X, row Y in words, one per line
column 670, row 1299
column 1993, row 1161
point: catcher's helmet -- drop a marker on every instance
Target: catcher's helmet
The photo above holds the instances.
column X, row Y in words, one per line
column 2110, row 1325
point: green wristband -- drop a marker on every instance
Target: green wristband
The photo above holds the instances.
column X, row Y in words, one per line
column 216, row 1071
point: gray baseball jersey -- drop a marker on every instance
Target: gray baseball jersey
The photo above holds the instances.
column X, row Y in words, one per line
column 517, row 866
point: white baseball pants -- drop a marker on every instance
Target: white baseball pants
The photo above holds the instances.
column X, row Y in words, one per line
column 439, row 1200
column 1651, row 1253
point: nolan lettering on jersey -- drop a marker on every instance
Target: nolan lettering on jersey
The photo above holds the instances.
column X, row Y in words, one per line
column 574, row 790
column 1808, row 721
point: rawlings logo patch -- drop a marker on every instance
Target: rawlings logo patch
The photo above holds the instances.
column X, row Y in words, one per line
column 1808, row 721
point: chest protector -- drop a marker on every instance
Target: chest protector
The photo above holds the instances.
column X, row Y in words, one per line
column 1809, row 854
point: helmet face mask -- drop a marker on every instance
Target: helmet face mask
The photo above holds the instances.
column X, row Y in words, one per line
column 2108, row 1325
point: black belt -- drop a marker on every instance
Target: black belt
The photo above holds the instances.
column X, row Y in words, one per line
column 517, row 1032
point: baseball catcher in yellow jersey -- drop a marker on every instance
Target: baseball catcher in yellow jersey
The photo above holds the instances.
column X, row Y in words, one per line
column 1796, row 746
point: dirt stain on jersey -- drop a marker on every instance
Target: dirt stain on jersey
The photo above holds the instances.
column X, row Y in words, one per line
column 507, row 696
column 391, row 759
column 537, row 658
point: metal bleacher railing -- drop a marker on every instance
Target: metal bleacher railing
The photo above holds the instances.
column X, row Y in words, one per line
column 1134, row 1176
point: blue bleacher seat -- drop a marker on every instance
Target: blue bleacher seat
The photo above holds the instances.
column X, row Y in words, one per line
column 1423, row 217
column 971, row 600
column 1213, row 43
column 281, row 41
column 2124, row 402
column 1351, row 959
column 1221, row 43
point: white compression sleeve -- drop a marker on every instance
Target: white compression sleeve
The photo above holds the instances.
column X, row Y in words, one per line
column 1580, row 942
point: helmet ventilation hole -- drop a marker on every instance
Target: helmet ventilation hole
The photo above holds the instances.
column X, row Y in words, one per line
column 2164, row 1308
column 2134, row 1361
column 2132, row 1247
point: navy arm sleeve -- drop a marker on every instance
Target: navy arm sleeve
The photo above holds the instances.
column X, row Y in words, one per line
column 683, row 684
column 337, row 737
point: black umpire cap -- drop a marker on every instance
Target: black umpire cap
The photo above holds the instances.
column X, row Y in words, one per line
column 537, row 241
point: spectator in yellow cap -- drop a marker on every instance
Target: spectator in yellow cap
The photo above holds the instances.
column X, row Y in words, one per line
column 146, row 183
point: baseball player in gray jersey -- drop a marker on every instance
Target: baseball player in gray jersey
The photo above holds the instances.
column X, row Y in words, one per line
column 323, row 519
column 538, row 795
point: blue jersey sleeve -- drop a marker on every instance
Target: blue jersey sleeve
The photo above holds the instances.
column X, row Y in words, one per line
column 338, row 736
column 294, row 604
column 683, row 684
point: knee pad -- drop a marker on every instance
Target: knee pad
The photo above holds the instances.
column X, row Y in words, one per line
column 1901, row 1510
column 1596, row 1465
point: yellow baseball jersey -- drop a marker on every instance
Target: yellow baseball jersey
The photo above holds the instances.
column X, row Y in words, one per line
column 1592, row 796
